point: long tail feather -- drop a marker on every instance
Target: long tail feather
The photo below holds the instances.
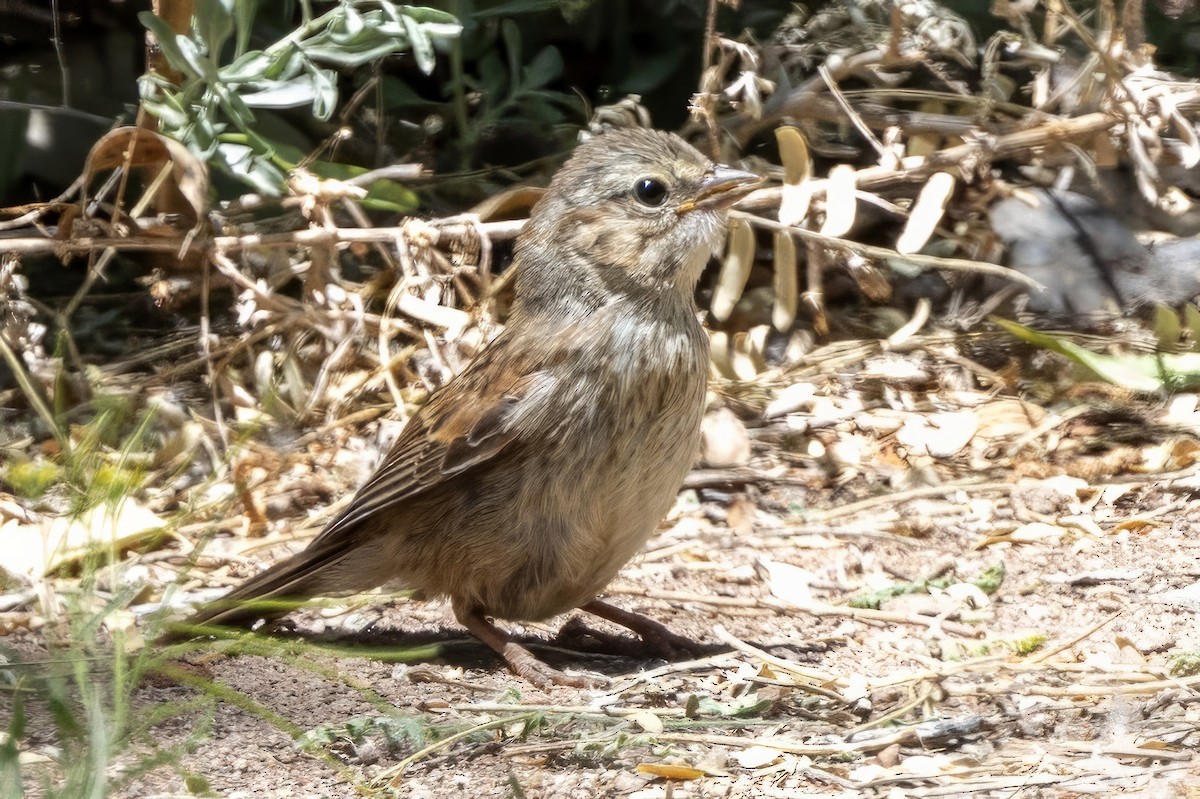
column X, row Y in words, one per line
column 269, row 595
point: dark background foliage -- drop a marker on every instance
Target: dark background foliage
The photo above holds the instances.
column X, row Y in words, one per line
column 527, row 74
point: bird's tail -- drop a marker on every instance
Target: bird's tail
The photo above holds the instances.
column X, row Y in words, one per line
column 267, row 596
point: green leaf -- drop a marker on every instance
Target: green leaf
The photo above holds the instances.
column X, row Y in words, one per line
column 213, row 21
column 211, row 112
column 282, row 93
column 422, row 48
column 388, row 195
column 1185, row 664
column 512, row 47
column 288, row 157
column 396, row 93
column 288, row 62
column 250, row 66
column 1148, row 373
column 748, row 706
column 235, row 107
column 543, row 106
column 382, row 195
column 10, row 754
column 492, row 77
column 652, row 71
column 203, row 135
column 16, row 725
column 517, row 7
column 441, row 33
column 194, row 59
column 166, row 109
column 993, row 576
column 324, row 84
column 545, row 67
column 338, row 46
column 337, row 56
column 432, row 16
column 352, row 24
column 169, row 43
column 255, row 170
column 244, row 12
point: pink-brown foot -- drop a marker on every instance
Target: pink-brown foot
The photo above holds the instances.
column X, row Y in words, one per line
column 667, row 644
column 527, row 666
column 520, row 660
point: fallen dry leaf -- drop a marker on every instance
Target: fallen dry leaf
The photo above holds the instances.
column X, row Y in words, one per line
column 670, row 771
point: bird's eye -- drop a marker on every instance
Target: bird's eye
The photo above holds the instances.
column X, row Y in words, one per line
column 650, row 192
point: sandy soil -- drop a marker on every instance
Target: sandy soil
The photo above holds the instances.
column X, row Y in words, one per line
column 1067, row 678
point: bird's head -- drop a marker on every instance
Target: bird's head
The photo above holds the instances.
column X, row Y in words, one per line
column 638, row 206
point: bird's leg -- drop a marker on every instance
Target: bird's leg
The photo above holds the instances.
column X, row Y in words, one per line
column 654, row 633
column 522, row 662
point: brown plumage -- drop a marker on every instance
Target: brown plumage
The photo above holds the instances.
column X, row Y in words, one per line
column 522, row 486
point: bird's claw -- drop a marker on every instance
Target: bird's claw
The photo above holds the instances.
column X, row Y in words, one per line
column 526, row 665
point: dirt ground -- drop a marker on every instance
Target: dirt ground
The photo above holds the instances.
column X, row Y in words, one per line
column 1066, row 676
column 920, row 560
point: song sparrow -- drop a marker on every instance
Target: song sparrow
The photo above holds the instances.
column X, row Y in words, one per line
column 521, row 487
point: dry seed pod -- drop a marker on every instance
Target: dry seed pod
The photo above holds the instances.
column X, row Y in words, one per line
column 741, row 362
column 720, row 354
column 431, row 313
column 295, row 387
column 840, row 203
column 787, row 291
column 236, row 394
column 756, row 337
column 797, row 171
column 264, row 373
column 814, row 294
column 735, row 269
column 926, row 212
column 797, row 396
column 748, row 355
column 724, row 442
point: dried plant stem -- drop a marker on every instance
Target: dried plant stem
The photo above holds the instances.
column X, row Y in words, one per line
column 33, row 394
column 883, row 253
column 815, row 608
column 573, row 710
column 40, row 245
column 917, row 167
column 710, row 48
column 809, row 675
column 849, row 110
column 1049, row 653
column 889, row 617
column 395, row 772
column 903, row 735
column 852, row 508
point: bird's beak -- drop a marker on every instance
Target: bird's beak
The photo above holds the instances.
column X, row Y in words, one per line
column 722, row 188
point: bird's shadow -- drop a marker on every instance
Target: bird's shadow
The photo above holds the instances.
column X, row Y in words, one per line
column 576, row 646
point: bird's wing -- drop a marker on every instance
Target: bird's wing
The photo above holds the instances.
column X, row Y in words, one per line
column 468, row 422
column 474, row 418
